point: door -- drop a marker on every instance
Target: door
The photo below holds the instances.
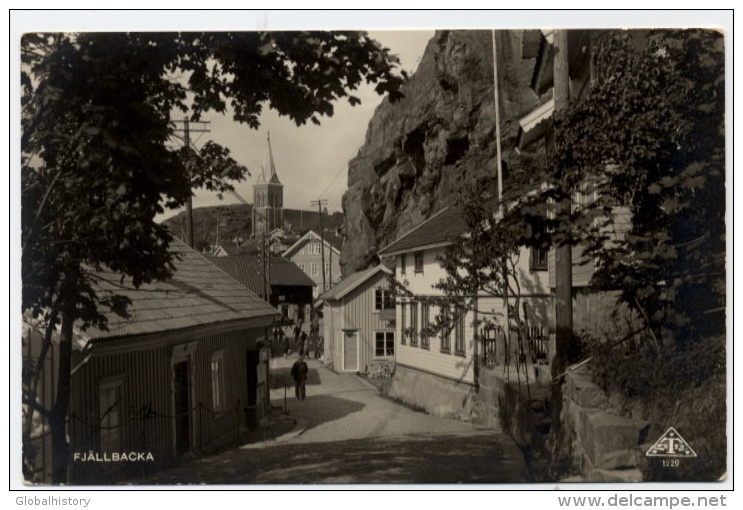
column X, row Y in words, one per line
column 351, row 351
column 182, row 397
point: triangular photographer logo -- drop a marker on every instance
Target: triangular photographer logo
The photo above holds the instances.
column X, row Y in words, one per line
column 671, row 444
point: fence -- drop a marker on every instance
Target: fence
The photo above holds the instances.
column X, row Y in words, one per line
column 529, row 343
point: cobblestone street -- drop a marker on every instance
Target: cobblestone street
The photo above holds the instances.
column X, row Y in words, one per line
column 348, row 433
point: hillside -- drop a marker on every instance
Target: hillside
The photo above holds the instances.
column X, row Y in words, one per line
column 235, row 221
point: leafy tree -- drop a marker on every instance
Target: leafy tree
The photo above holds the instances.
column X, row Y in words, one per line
column 97, row 166
column 640, row 156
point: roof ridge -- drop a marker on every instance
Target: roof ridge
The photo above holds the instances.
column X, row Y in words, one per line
column 421, row 224
column 370, row 271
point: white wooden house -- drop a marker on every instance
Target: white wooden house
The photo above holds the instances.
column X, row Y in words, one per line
column 447, row 360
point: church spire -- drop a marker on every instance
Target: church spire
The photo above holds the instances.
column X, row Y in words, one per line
column 274, row 179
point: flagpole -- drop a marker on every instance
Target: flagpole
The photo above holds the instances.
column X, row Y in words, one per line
column 499, row 167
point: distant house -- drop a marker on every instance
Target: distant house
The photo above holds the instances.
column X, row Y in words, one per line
column 447, row 360
column 181, row 376
column 359, row 320
column 308, row 255
column 291, row 288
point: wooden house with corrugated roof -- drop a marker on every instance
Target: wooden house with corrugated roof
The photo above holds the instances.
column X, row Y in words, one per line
column 186, row 373
column 359, row 320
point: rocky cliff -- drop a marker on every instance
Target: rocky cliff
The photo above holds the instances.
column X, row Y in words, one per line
column 419, row 151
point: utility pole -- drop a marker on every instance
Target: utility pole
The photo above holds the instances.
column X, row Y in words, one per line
column 187, row 129
column 319, row 204
column 265, row 255
column 563, row 253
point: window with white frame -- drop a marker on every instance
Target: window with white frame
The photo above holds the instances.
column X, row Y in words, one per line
column 109, row 414
column 383, row 299
column 446, row 330
column 538, row 259
column 313, row 269
column 315, row 247
column 217, row 376
column 413, row 328
column 425, row 311
column 384, row 344
column 418, row 262
column 459, row 331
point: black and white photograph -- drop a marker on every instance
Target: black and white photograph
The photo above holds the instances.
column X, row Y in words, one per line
column 496, row 255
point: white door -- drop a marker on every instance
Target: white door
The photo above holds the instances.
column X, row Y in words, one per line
column 350, row 351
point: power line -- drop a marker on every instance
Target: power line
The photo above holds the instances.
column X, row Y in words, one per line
column 327, row 188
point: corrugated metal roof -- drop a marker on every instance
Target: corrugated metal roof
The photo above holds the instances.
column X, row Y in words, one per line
column 351, row 282
column 198, row 294
column 442, row 227
column 247, row 270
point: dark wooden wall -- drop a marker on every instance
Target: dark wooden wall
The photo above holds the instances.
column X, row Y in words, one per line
column 147, row 413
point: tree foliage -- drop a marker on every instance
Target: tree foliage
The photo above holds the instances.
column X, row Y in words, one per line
column 640, row 156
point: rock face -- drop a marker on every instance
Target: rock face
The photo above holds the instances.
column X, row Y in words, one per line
column 419, row 151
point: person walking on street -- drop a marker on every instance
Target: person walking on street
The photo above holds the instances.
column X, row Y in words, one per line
column 299, row 374
column 285, row 344
column 304, row 345
column 297, row 331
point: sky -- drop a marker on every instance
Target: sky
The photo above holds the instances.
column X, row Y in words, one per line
column 311, row 161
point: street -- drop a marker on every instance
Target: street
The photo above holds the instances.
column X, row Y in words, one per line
column 352, row 434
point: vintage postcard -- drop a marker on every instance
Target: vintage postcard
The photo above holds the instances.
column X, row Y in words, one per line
column 480, row 255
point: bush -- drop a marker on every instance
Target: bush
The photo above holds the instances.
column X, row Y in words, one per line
column 682, row 387
column 646, row 371
column 380, row 369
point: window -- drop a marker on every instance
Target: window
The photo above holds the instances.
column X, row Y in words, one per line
column 459, row 331
column 419, row 262
column 402, row 263
column 538, row 259
column 217, row 371
column 383, row 299
column 313, row 269
column 384, row 344
column 315, row 247
column 327, row 268
column 300, row 265
column 413, row 331
column 402, row 323
column 109, row 414
column 425, row 342
column 446, row 331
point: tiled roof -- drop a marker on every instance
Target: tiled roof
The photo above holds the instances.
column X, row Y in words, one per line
column 198, row 294
column 442, row 227
column 247, row 270
column 351, row 282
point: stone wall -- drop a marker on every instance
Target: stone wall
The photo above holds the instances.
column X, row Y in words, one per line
column 436, row 395
column 507, row 403
column 599, row 444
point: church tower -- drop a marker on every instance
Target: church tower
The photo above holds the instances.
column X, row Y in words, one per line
column 268, row 197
